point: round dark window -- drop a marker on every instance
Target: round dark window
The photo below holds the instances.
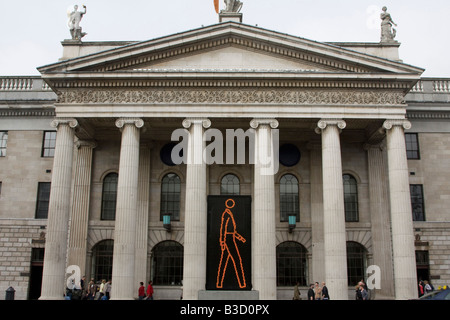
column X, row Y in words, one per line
column 166, row 154
column 289, row 155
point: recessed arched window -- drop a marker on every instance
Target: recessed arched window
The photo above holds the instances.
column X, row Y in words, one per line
column 289, row 203
column 356, row 263
column 109, row 196
column 102, row 260
column 350, row 198
column 230, row 185
column 291, row 264
column 167, row 263
column 170, row 196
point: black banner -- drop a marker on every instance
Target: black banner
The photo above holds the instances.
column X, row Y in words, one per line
column 229, row 243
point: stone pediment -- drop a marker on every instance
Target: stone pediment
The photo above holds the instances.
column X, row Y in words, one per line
column 230, row 47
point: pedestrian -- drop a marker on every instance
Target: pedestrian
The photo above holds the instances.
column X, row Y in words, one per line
column 141, row 291
column 149, row 291
column 421, row 291
column 297, row 293
column 325, row 294
column 108, row 290
column 83, row 287
column 102, row 289
column 358, row 295
column 364, row 294
column 92, row 290
column 427, row 287
column 317, row 292
column 311, row 292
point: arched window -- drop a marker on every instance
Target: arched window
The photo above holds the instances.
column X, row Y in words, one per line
column 291, row 264
column 170, row 196
column 356, row 263
column 167, row 263
column 102, row 260
column 230, row 185
column 289, row 204
column 350, row 198
column 109, row 196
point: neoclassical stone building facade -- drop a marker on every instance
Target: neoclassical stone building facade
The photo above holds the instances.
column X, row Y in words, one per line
column 92, row 138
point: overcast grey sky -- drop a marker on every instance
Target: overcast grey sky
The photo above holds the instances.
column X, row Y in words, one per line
column 32, row 30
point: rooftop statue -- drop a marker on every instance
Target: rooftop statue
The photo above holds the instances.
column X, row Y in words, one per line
column 232, row 6
column 75, row 17
column 388, row 33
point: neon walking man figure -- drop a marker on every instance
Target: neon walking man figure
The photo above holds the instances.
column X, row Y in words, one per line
column 230, row 251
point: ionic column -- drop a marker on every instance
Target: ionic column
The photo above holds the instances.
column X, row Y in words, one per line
column 195, row 227
column 263, row 220
column 405, row 274
column 54, row 273
column 76, row 254
column 379, row 217
column 316, row 182
column 142, row 218
column 123, row 285
column 335, row 248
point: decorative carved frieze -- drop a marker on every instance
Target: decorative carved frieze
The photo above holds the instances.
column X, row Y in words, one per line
column 232, row 96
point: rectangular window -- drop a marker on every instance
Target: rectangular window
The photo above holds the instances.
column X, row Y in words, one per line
column 3, row 143
column 43, row 198
column 417, row 202
column 48, row 146
column 412, row 146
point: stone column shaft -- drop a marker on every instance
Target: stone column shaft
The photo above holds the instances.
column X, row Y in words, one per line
column 80, row 205
column 123, row 285
column 335, row 247
column 195, row 227
column 405, row 273
column 142, row 218
column 316, row 181
column 379, row 217
column 263, row 221
column 54, row 273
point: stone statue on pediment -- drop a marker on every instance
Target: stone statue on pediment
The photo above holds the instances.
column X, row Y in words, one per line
column 75, row 17
column 388, row 32
column 232, row 6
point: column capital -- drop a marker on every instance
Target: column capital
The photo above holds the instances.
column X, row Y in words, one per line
column 323, row 123
column 255, row 123
column 205, row 122
column 71, row 122
column 388, row 124
column 121, row 122
column 86, row 143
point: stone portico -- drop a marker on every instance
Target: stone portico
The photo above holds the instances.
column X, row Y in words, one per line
column 343, row 109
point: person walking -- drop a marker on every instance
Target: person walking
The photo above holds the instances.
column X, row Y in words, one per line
column 311, row 292
column 141, row 291
column 102, row 290
column 325, row 294
column 297, row 293
column 92, row 290
column 317, row 292
column 149, row 291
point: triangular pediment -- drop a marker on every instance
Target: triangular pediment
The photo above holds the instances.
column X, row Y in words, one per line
column 229, row 47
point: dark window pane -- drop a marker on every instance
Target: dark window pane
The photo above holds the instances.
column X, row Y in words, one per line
column 170, row 196
column 109, row 196
column 289, row 198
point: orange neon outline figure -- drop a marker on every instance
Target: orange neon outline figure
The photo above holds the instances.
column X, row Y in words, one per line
column 228, row 237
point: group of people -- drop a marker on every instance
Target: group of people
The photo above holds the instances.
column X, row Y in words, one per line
column 89, row 291
column 361, row 291
column 145, row 294
column 425, row 287
column 315, row 292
